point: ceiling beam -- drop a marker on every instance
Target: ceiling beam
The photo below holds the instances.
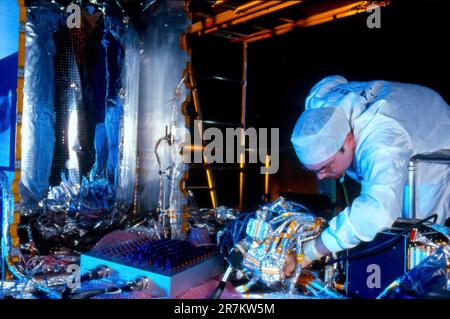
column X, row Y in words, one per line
column 323, row 17
column 241, row 14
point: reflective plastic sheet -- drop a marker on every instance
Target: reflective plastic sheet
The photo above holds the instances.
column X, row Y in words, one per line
column 163, row 62
column 128, row 150
column 38, row 136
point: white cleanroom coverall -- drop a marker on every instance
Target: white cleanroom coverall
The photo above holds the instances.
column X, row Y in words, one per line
column 391, row 122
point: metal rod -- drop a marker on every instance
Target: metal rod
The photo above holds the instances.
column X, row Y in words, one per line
column 344, row 189
column 220, row 78
column 412, row 191
column 198, row 110
column 247, row 6
column 266, row 180
column 243, row 123
column 198, row 187
column 222, row 123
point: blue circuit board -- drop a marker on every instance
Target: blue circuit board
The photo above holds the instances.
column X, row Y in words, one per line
column 164, row 256
column 172, row 265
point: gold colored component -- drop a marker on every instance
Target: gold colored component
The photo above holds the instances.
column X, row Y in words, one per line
column 15, row 241
column 20, row 101
column 16, row 218
column 211, row 187
column 241, row 181
column 194, row 148
column 218, row 3
column 339, row 286
column 184, row 43
column 18, row 151
column 14, row 259
column 21, row 49
column 266, row 179
column 13, row 231
column 20, row 83
column 247, row 6
column 18, row 142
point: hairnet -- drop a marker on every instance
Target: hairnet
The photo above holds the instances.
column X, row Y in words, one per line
column 321, row 94
column 319, row 134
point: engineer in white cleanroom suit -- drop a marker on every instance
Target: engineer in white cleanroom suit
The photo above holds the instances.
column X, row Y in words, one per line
column 370, row 130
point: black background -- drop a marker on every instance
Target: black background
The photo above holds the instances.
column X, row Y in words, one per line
column 412, row 46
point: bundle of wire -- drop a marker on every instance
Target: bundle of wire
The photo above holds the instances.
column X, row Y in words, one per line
column 233, row 233
column 7, row 218
column 274, row 231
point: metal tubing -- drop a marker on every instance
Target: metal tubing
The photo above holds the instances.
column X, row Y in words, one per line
column 412, row 192
column 243, row 123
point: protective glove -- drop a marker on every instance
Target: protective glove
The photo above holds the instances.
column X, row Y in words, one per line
column 312, row 250
column 311, row 253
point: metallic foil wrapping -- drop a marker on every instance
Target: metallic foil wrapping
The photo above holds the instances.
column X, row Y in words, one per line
column 163, row 62
column 38, row 137
column 271, row 233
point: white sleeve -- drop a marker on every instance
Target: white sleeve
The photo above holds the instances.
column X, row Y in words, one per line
column 383, row 162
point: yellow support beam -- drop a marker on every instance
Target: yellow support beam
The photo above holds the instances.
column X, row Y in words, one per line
column 323, row 17
column 243, row 124
column 244, row 13
column 192, row 85
column 15, row 242
column 266, row 180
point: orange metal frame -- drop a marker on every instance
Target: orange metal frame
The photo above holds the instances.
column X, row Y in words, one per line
column 244, row 13
column 256, row 9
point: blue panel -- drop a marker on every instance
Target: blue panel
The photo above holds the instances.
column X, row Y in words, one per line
column 164, row 284
column 122, row 273
column 391, row 263
column 9, row 27
column 1, row 219
column 172, row 265
column 8, row 97
column 9, row 33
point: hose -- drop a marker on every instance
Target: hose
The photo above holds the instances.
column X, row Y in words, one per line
column 140, row 283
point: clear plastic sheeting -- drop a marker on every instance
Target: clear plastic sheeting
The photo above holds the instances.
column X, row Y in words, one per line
column 223, row 214
column 428, row 277
column 109, row 105
column 442, row 230
column 213, row 220
column 70, row 212
column 314, row 288
column 91, row 196
column 426, row 280
column 161, row 97
column 38, row 136
column 128, row 147
column 433, row 244
column 199, row 236
column 93, row 111
column 73, row 95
